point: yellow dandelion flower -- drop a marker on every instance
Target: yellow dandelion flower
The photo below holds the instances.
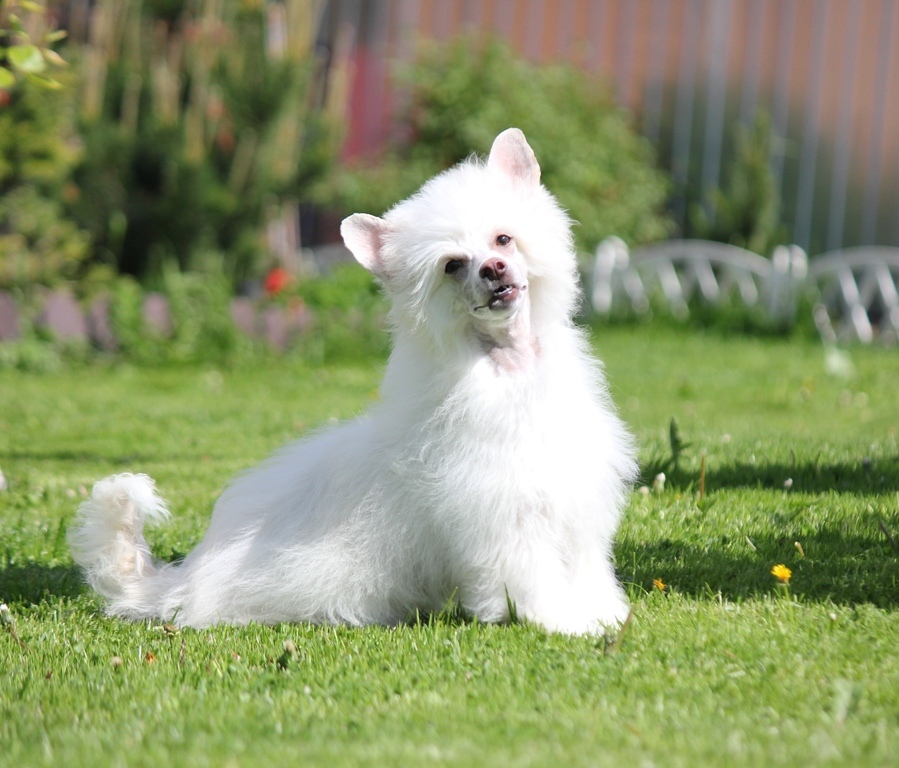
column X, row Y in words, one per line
column 659, row 584
column 781, row 572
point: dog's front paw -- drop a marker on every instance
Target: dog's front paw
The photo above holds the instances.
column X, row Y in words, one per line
column 587, row 616
column 582, row 620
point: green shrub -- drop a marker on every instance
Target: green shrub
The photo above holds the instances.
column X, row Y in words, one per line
column 133, row 338
column 39, row 244
column 349, row 316
column 347, row 321
column 729, row 317
column 195, row 134
column 30, row 354
column 746, row 210
column 201, row 310
column 26, row 45
column 461, row 95
column 202, row 328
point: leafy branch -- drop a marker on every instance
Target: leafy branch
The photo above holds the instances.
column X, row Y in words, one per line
column 25, row 45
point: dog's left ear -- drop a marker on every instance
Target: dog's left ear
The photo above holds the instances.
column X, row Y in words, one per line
column 512, row 155
column 364, row 236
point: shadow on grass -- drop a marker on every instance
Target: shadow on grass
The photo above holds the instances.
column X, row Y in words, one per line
column 835, row 564
column 845, row 570
column 831, row 563
column 867, row 476
column 93, row 457
column 33, row 582
column 836, row 567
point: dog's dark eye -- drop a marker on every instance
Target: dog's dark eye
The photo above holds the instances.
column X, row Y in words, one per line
column 453, row 266
column 503, row 239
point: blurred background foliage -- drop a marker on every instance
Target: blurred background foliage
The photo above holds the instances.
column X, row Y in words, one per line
column 462, row 94
column 745, row 210
column 197, row 129
column 156, row 151
column 184, row 128
column 39, row 150
column 40, row 243
column 181, row 129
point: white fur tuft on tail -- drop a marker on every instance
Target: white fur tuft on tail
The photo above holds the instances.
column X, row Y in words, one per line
column 107, row 540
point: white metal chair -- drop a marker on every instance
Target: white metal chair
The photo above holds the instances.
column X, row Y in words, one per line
column 680, row 270
column 855, row 294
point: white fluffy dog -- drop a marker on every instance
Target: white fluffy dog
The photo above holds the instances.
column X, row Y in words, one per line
column 493, row 470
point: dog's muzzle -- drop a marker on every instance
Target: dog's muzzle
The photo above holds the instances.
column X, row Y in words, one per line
column 499, row 283
column 504, row 295
column 501, row 297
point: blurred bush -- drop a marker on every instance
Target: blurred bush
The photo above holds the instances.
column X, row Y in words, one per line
column 349, row 316
column 462, row 94
column 343, row 316
column 26, row 45
column 201, row 326
column 38, row 150
column 746, row 210
column 199, row 123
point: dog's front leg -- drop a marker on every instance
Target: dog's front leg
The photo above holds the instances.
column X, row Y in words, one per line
column 577, row 598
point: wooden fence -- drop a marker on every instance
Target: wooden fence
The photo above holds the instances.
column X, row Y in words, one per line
column 825, row 71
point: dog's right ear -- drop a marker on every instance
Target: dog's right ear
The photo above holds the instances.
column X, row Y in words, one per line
column 512, row 155
column 364, row 236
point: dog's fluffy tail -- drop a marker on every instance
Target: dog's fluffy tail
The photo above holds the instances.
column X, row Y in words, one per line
column 108, row 543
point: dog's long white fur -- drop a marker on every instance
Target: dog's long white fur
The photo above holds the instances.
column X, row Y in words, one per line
column 493, row 468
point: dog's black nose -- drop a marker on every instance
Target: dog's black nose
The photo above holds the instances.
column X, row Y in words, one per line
column 492, row 269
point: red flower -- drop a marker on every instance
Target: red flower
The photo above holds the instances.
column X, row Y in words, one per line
column 276, row 281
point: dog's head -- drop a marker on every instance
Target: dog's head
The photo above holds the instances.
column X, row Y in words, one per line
column 481, row 251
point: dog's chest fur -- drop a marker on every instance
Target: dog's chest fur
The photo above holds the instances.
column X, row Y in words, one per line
column 509, row 434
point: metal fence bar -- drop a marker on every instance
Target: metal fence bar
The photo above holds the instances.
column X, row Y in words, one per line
column 870, row 201
column 781, row 86
column 624, row 59
column 716, row 93
column 843, row 143
column 654, row 89
column 808, row 157
column 749, row 94
column 685, row 107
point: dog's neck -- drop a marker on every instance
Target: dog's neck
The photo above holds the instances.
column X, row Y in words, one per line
column 516, row 359
column 512, row 348
column 419, row 369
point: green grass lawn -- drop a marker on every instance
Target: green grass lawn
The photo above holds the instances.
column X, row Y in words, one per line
column 723, row 667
